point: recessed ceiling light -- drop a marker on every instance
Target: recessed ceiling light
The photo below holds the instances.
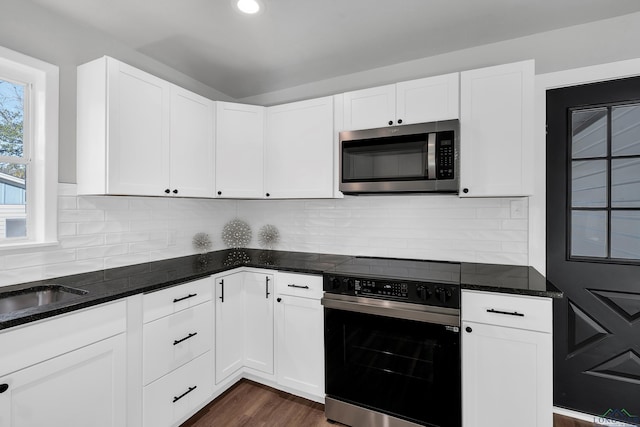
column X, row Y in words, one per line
column 249, row 7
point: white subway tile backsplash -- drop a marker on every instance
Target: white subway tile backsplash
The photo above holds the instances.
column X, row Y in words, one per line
column 97, row 232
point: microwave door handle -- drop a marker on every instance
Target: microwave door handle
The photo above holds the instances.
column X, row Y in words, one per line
column 431, row 156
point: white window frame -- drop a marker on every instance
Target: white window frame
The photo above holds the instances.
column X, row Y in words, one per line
column 41, row 145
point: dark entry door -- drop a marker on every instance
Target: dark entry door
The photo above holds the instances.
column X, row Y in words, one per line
column 593, row 246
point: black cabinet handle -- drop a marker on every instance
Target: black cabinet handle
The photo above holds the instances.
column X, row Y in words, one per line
column 399, row 121
column 176, row 398
column 4, row 387
column 279, row 299
column 221, row 290
column 219, row 193
column 266, row 287
column 176, row 342
column 510, row 313
column 298, row 286
column 184, row 298
column 468, row 329
column 175, row 191
column 465, row 190
column 390, row 122
column 268, row 194
column 167, row 191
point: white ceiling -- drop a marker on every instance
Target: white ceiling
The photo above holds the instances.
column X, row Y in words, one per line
column 300, row 41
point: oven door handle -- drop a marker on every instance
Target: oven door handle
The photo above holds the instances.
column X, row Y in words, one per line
column 436, row 315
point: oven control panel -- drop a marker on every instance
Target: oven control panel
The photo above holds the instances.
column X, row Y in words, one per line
column 381, row 288
column 427, row 293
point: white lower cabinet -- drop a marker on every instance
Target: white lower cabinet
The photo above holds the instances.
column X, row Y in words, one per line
column 506, row 360
column 177, row 358
column 174, row 340
column 73, row 371
column 229, row 337
column 176, row 396
column 258, row 333
column 300, row 334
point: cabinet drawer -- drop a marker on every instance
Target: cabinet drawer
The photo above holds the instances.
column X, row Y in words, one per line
column 171, row 300
column 301, row 285
column 174, row 340
column 176, row 396
column 514, row 311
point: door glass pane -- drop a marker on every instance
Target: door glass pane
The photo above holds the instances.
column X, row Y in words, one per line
column 589, row 133
column 625, row 183
column 625, row 234
column 589, row 183
column 11, row 119
column 589, row 233
column 13, row 200
column 625, row 130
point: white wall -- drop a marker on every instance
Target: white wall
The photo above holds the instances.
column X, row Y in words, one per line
column 106, row 232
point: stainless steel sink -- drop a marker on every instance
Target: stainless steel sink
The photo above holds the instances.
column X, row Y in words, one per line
column 37, row 296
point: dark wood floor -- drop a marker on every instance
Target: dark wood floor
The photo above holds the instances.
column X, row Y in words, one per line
column 251, row 404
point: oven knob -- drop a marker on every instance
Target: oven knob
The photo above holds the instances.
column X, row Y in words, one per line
column 424, row 293
column 335, row 283
column 350, row 284
column 443, row 294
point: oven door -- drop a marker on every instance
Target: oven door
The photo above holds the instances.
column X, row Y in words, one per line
column 408, row 369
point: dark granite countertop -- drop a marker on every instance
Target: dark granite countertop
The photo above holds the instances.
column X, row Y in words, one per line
column 116, row 283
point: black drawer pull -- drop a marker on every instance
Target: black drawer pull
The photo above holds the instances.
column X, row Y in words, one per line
column 266, row 287
column 175, row 399
column 221, row 291
column 4, row 387
column 184, row 298
column 510, row 313
column 176, row 342
column 298, row 286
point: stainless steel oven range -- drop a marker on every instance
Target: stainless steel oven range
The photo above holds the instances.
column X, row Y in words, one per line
column 392, row 343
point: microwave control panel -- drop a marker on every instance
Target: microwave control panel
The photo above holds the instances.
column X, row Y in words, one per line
column 445, row 155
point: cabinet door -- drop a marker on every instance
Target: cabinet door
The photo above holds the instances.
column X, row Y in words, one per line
column 299, row 149
column 300, row 344
column 370, row 108
column 496, row 130
column 138, row 132
column 258, row 333
column 229, row 325
column 429, row 99
column 239, row 150
column 506, row 376
column 192, row 145
column 85, row 387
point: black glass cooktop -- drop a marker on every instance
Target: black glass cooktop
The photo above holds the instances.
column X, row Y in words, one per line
column 400, row 269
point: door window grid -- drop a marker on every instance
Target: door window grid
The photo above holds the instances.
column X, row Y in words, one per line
column 604, row 220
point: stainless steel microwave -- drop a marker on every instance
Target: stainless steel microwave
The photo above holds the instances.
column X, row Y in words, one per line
column 418, row 158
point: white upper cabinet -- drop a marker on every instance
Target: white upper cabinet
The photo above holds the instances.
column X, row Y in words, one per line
column 416, row 101
column 427, row 100
column 299, row 150
column 496, row 130
column 239, row 150
column 129, row 130
column 192, row 144
column 370, row 108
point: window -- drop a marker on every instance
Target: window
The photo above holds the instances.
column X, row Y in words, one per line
column 28, row 150
column 605, row 182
